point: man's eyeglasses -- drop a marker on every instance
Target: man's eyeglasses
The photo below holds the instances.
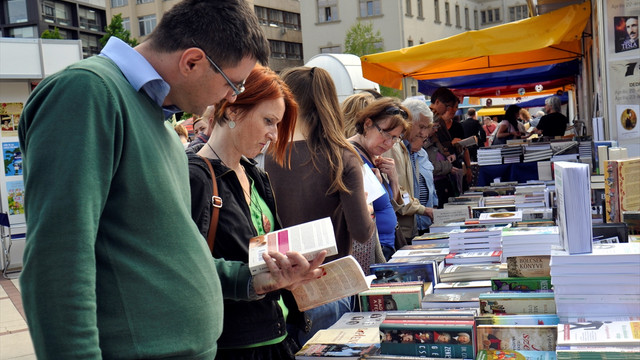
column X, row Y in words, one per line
column 387, row 136
column 392, row 110
column 237, row 88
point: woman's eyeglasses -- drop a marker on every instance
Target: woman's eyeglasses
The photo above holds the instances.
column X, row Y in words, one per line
column 392, row 110
column 387, row 136
column 237, row 88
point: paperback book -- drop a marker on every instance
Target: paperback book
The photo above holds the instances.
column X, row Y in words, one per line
column 480, row 257
column 513, row 303
column 530, row 319
column 515, row 355
column 528, row 266
column 308, row 239
column 517, row 337
column 425, row 271
column 616, row 333
column 387, row 298
column 521, row 283
column 574, row 206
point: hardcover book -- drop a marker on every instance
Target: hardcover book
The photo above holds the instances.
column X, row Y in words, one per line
column 425, row 271
column 387, row 298
column 574, row 206
column 622, row 181
column 517, row 337
column 528, row 266
column 513, row 303
column 521, row 283
column 308, row 239
column 439, row 339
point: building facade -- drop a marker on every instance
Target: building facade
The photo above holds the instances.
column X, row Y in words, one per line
column 280, row 20
column 79, row 20
column 402, row 23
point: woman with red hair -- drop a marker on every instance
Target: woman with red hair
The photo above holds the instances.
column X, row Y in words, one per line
column 264, row 113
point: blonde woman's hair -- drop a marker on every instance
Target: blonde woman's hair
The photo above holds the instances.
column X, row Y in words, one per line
column 350, row 108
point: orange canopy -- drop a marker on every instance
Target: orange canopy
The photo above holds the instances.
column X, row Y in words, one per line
column 541, row 40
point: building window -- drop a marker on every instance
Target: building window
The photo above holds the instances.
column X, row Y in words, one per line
column 90, row 45
column 475, row 19
column 327, row 10
column 143, row 1
column 57, row 13
column 518, row 12
column 89, row 20
column 278, row 49
column 126, row 24
column 370, row 8
column 147, row 24
column 261, row 13
column 458, row 16
column 447, row 14
column 490, row 16
column 119, row 3
column 414, row 90
column 23, row 32
column 294, row 51
column 436, row 10
column 420, row 10
column 408, row 6
column 331, row 50
column 17, row 12
column 292, row 20
column 409, row 43
column 496, row 15
column 275, row 18
column 466, row 19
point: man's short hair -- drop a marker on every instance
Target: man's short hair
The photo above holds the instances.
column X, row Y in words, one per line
column 227, row 30
column 554, row 102
column 471, row 112
column 445, row 96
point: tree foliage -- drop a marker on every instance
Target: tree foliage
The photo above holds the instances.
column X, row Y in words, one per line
column 55, row 34
column 115, row 28
column 361, row 40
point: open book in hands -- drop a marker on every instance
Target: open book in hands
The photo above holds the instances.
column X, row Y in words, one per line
column 340, row 278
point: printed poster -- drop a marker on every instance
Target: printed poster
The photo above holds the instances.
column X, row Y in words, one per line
column 9, row 118
column 627, row 119
column 12, row 158
column 625, row 30
column 15, row 199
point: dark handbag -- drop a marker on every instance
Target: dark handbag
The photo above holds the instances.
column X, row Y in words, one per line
column 216, row 202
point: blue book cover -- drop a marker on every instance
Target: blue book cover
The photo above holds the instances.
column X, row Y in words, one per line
column 425, row 271
column 12, row 158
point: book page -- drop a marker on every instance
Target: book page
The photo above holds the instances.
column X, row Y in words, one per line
column 450, row 214
column 308, row 239
column 372, row 186
column 341, row 278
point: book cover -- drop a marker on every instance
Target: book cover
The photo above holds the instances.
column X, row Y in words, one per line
column 529, row 319
column 12, row 158
column 628, row 185
column 513, row 303
column 517, row 337
column 521, row 283
column 463, row 286
column 308, row 239
column 340, row 278
column 402, row 272
column 387, row 298
column 515, row 355
column 612, row 207
column 600, row 333
column 451, row 214
column 360, row 320
column 349, row 335
column 473, row 257
column 450, row 300
column 448, row 339
column 500, row 217
column 468, row 272
column 603, row 254
column 342, row 351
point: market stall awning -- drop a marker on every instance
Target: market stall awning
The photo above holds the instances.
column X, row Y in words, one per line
column 491, row 111
column 541, row 40
column 538, row 102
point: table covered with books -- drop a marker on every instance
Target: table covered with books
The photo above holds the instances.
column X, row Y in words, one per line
column 520, row 172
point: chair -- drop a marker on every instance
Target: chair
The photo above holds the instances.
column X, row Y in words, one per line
column 6, row 240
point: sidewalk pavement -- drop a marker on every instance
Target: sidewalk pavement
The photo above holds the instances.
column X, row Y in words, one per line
column 15, row 342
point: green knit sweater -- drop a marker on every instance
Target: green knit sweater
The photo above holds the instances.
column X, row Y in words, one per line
column 114, row 266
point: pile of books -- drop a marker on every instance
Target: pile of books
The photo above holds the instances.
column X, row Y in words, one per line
column 537, row 152
column 531, row 196
column 618, row 339
column 489, row 156
column 603, row 283
column 505, row 217
column 522, row 241
column 511, row 154
column 474, row 240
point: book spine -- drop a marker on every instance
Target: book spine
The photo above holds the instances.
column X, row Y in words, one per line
column 521, row 284
column 612, row 210
column 433, row 350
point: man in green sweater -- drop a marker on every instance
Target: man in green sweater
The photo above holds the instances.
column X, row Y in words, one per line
column 114, row 267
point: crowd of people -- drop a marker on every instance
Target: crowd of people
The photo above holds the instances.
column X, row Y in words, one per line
column 118, row 262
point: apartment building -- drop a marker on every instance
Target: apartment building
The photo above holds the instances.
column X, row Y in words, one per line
column 401, row 23
column 81, row 20
column 280, row 20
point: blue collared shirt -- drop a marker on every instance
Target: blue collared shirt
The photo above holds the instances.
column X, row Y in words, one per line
column 139, row 72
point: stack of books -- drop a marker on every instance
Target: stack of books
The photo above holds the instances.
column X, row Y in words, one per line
column 469, row 272
column 489, row 156
column 511, row 154
column 506, row 217
column 531, row 196
column 474, row 240
column 474, row 257
column 618, row 339
column 601, row 284
column 522, row 241
column 500, row 200
column 537, row 152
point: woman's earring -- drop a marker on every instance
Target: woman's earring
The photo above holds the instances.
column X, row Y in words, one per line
column 232, row 124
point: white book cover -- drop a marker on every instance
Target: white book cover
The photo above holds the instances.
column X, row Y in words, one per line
column 600, row 333
column 500, row 217
column 308, row 239
column 609, row 254
column 574, row 206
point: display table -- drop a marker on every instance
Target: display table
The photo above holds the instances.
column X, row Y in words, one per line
column 520, row 172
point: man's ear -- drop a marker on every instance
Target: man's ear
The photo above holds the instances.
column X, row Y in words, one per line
column 192, row 59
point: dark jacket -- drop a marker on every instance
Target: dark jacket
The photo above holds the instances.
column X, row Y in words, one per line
column 245, row 322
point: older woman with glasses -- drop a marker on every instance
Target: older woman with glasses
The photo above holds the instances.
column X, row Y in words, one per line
column 379, row 126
